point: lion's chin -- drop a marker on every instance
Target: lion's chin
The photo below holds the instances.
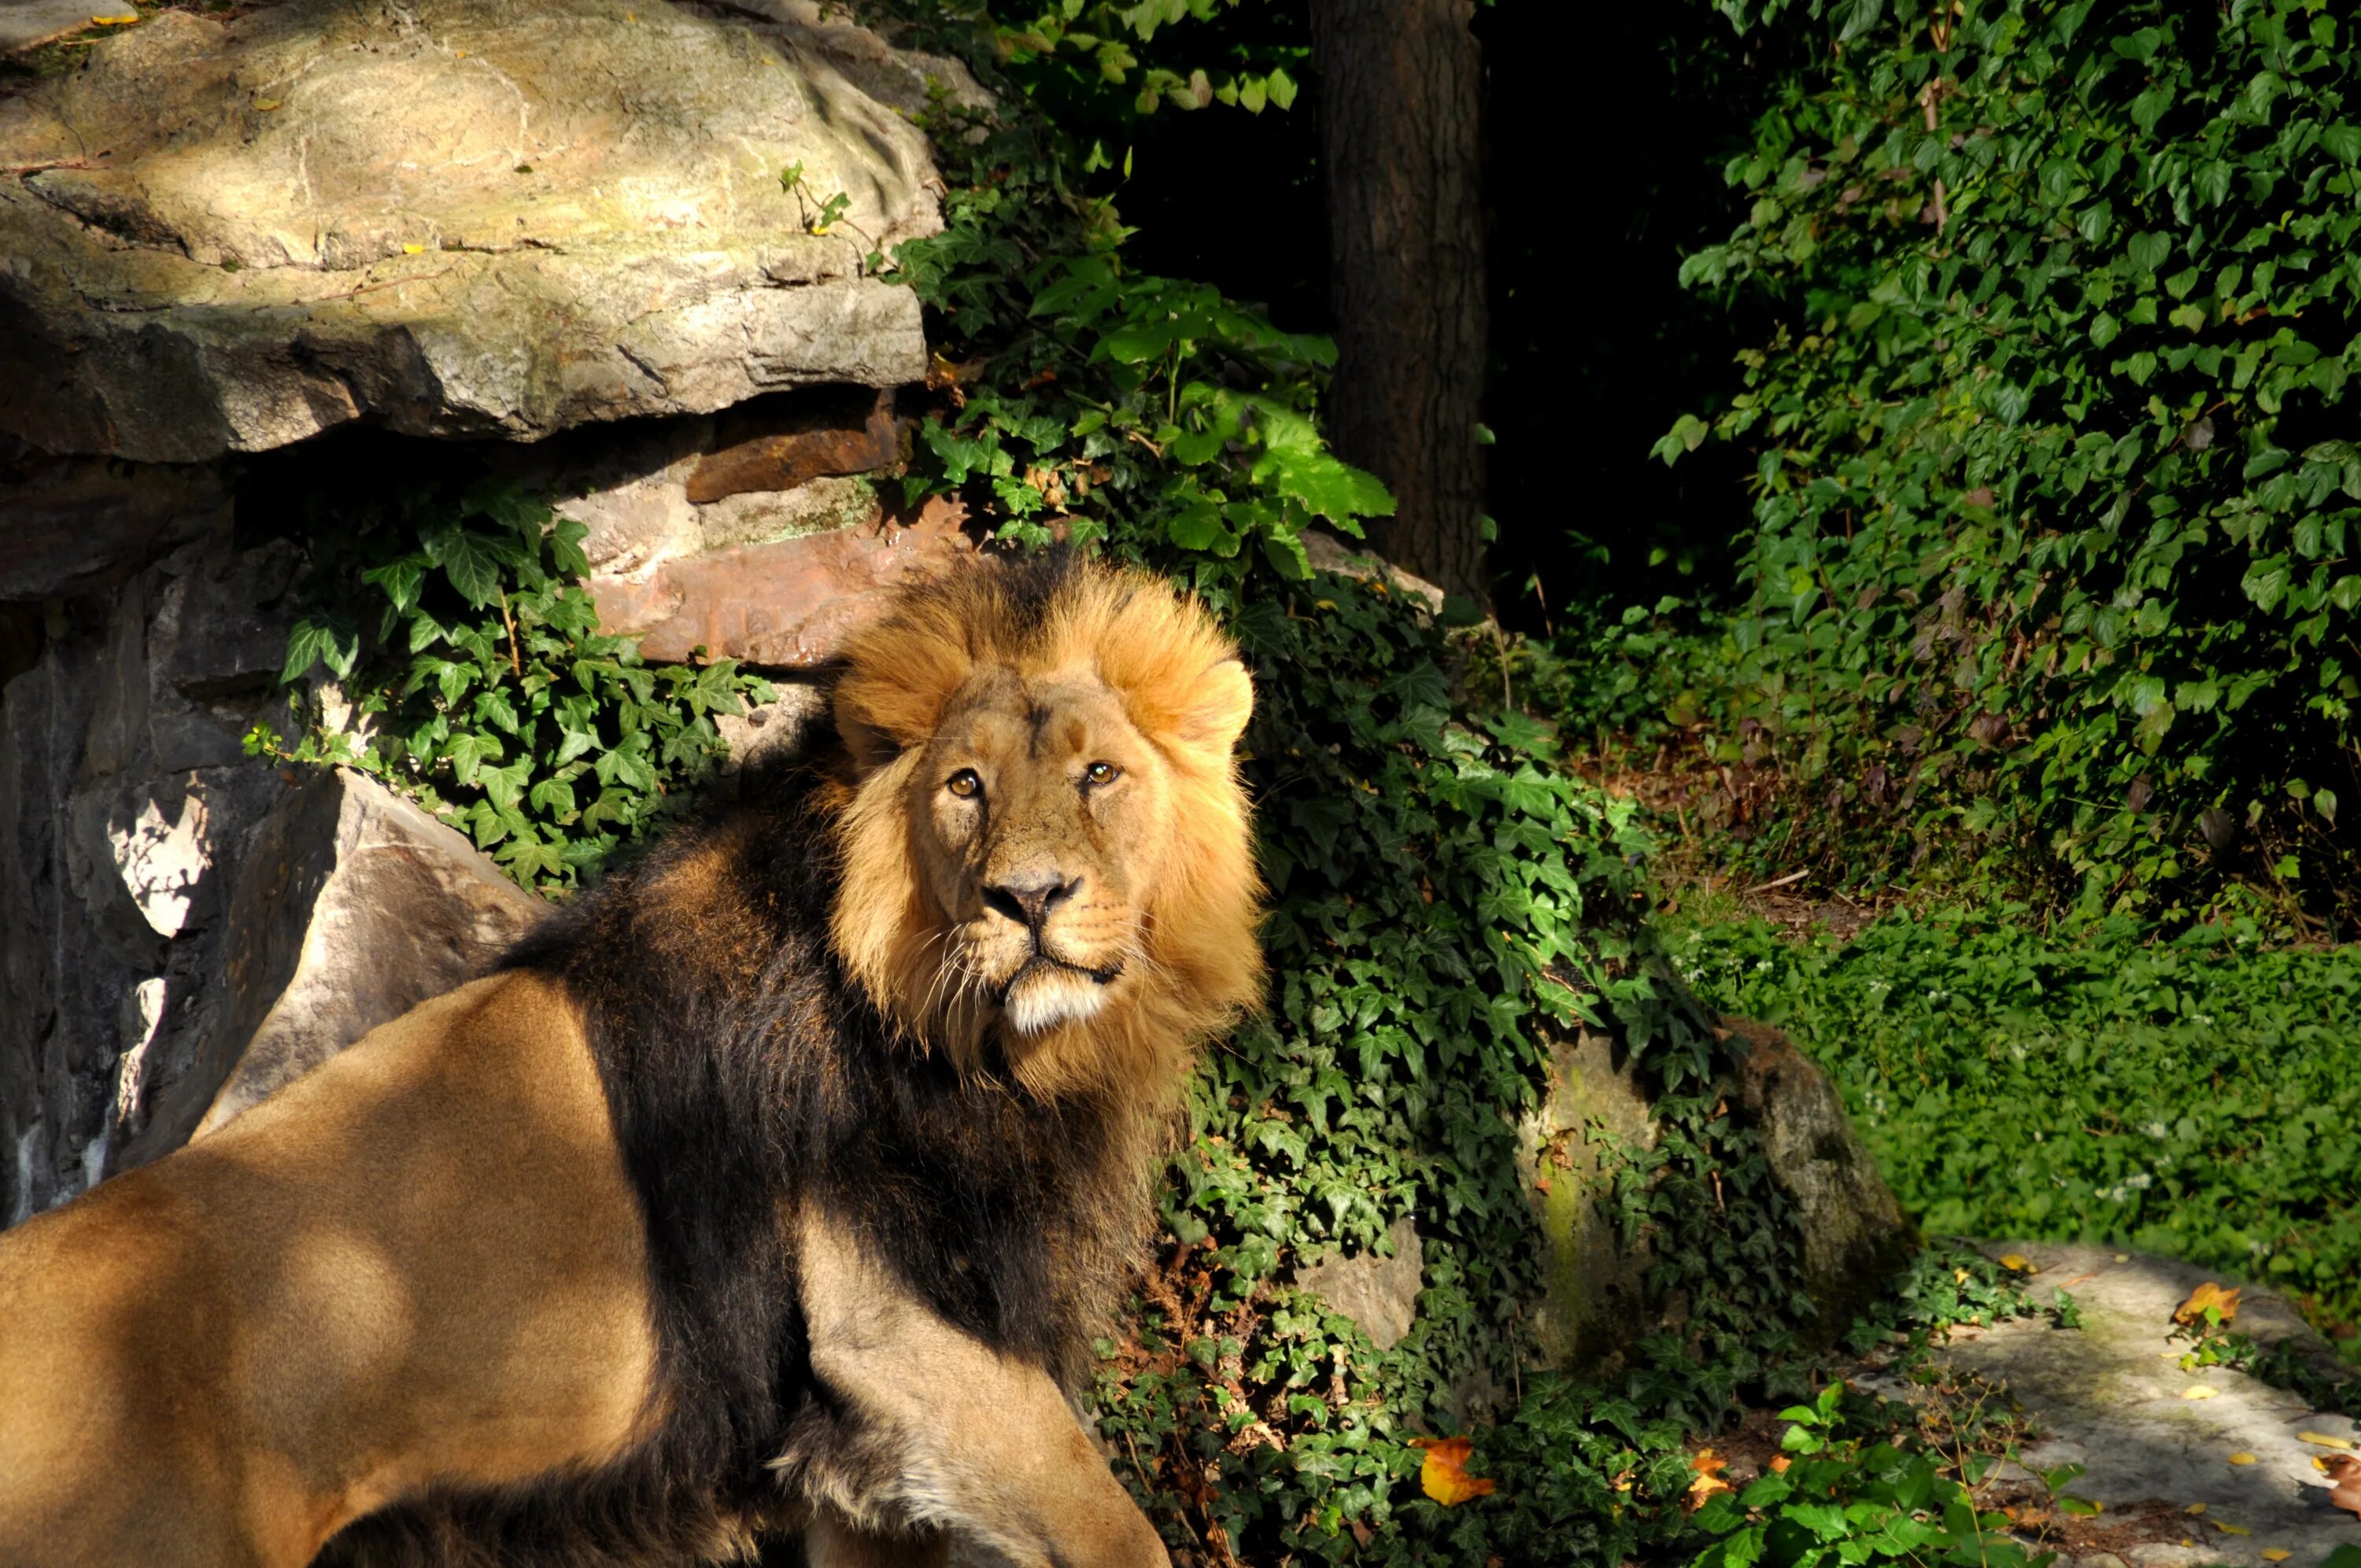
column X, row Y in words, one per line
column 1046, row 996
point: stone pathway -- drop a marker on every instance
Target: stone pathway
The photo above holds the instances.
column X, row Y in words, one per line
column 2112, row 1398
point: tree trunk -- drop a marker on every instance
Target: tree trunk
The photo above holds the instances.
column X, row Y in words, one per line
column 1400, row 85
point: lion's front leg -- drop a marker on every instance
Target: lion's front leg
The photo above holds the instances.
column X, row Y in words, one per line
column 952, row 1435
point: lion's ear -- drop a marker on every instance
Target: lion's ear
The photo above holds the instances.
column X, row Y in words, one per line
column 870, row 745
column 1219, row 705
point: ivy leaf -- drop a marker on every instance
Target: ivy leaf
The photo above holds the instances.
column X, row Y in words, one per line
column 506, row 784
column 493, row 708
column 470, row 560
column 468, row 751
column 555, row 797
column 399, row 580
column 1859, row 18
column 315, row 639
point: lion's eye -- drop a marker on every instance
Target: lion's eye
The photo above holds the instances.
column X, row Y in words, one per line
column 965, row 783
column 1101, row 773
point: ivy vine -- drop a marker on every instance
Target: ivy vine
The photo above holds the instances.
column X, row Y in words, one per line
column 468, row 672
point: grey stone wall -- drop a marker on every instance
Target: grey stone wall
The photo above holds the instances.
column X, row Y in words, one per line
column 127, row 807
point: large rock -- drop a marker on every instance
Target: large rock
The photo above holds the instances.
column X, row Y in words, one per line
column 449, row 217
column 353, row 907
column 126, row 810
column 1378, row 1290
column 1853, row 1233
column 77, row 523
column 1598, row 1113
column 760, row 535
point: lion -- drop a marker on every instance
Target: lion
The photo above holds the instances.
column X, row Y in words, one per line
column 776, row 1184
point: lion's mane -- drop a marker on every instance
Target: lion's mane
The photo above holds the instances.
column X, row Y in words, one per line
column 746, row 989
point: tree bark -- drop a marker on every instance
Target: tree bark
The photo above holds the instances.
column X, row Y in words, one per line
column 1400, row 89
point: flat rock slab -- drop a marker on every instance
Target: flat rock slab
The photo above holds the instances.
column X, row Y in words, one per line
column 2112, row 1398
column 24, row 22
column 451, row 217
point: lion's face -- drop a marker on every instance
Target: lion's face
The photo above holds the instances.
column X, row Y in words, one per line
column 1047, row 845
column 1040, row 817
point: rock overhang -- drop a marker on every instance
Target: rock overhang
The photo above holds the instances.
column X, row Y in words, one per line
column 447, row 218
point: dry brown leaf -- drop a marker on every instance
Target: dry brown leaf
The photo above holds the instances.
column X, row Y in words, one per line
column 2208, row 1295
column 1444, row 1476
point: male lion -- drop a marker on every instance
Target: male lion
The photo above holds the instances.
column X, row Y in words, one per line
column 777, row 1183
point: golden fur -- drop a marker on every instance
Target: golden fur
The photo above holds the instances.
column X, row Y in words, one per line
column 776, row 1183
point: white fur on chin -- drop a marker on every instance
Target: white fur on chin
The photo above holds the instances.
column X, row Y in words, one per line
column 1051, row 997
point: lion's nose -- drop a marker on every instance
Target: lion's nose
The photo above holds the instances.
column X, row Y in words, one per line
column 1028, row 899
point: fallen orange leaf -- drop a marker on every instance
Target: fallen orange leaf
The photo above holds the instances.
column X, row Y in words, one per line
column 2209, row 1294
column 2015, row 1263
column 2275, row 1555
column 1780, row 1462
column 1708, row 1476
column 2345, row 1471
column 1444, row 1476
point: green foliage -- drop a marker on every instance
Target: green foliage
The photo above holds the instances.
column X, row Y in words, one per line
column 484, row 690
column 2197, row 1098
column 1096, row 38
column 1087, row 400
column 2052, row 561
column 1854, row 1498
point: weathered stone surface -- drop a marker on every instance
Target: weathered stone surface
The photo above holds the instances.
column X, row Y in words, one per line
column 1592, row 1284
column 26, row 22
column 451, row 217
column 766, row 450
column 778, row 728
column 789, row 602
column 1326, row 553
column 1854, row 1234
column 68, row 525
column 1379, row 1293
column 634, row 495
column 353, row 907
column 2112, row 1398
column 1852, row 1231
column 126, row 809
column 902, row 79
